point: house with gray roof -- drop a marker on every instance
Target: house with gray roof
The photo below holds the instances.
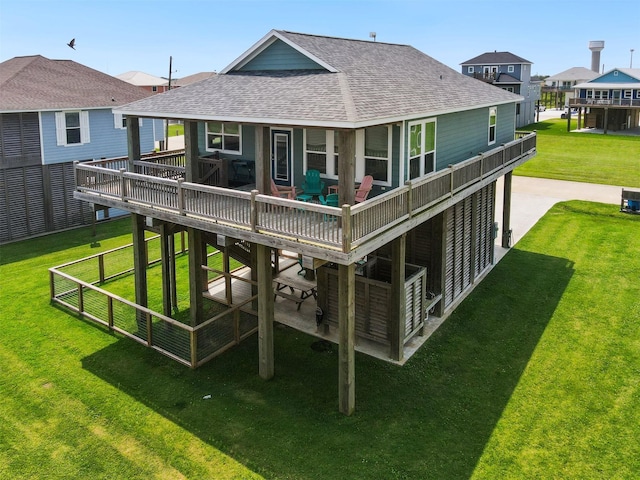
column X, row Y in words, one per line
column 558, row 89
column 375, row 276
column 52, row 113
column 145, row 81
column 509, row 72
column 610, row 102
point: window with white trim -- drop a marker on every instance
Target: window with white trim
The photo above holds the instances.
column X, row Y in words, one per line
column 601, row 94
column 422, row 148
column 511, row 69
column 377, row 153
column 224, row 137
column 493, row 121
column 72, row 128
column 470, row 70
column 318, row 143
column 120, row 121
column 628, row 94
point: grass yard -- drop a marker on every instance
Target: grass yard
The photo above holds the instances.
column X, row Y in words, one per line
column 534, row 376
column 176, row 129
column 583, row 157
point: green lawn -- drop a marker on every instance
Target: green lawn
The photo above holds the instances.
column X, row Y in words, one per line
column 176, row 129
column 583, row 157
column 534, row 376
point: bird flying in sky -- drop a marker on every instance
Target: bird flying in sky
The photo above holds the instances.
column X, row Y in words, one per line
column 72, row 43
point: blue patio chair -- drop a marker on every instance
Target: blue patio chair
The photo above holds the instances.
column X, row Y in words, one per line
column 313, row 185
column 330, row 201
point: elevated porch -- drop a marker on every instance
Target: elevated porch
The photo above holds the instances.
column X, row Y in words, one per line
column 342, row 235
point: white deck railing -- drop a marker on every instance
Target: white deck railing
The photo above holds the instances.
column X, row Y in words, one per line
column 335, row 228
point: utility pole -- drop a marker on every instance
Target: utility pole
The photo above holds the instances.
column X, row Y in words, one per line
column 166, row 145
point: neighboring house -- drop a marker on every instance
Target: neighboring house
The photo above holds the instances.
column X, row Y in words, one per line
column 145, row 81
column 558, row 89
column 296, row 108
column 610, row 101
column 196, row 77
column 52, row 113
column 509, row 72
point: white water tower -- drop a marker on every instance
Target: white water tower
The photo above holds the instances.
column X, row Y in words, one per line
column 596, row 47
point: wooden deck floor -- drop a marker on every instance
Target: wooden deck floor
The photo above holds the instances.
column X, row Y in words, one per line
column 304, row 319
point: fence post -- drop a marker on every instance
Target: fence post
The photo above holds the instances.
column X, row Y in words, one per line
column 194, row 348
column 52, row 285
column 75, row 172
column 80, row 298
column 110, row 312
column 149, row 329
column 123, row 189
column 254, row 211
column 451, row 180
column 408, row 185
column 346, row 228
column 101, row 267
column 180, row 193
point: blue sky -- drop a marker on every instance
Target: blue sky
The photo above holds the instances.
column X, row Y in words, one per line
column 116, row 36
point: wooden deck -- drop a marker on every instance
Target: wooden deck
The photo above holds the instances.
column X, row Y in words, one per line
column 301, row 316
column 340, row 235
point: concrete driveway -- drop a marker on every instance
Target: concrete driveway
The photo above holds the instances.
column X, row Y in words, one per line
column 531, row 199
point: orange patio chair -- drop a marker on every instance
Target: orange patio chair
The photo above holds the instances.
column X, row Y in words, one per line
column 362, row 190
column 283, row 191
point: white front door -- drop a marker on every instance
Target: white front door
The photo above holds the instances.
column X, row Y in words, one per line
column 281, row 156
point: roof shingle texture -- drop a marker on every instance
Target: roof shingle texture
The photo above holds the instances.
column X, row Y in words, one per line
column 37, row 83
column 495, row 58
column 374, row 81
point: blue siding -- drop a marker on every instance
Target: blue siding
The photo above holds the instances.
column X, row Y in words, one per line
column 280, row 56
column 611, row 77
column 106, row 141
column 462, row 135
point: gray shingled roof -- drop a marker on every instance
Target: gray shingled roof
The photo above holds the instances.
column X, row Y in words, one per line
column 573, row 74
column 375, row 82
column 36, row 83
column 188, row 80
column 496, row 58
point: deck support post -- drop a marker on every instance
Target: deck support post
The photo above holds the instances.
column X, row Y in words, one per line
column 506, row 211
column 440, row 226
column 191, row 151
column 347, row 337
column 168, row 269
column 397, row 309
column 606, row 120
column 133, row 141
column 140, row 267
column 265, row 312
column 196, row 284
column 263, row 160
column 347, row 167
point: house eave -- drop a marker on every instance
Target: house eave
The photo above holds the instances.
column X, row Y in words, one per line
column 297, row 122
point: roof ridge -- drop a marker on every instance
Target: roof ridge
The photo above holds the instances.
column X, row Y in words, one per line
column 343, row 38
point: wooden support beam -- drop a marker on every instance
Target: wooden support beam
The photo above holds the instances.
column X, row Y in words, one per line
column 263, row 159
column 139, row 267
column 347, row 337
column 440, row 223
column 506, row 211
column 195, row 276
column 133, row 141
column 397, row 310
column 166, row 259
column 265, row 312
column 346, row 167
column 191, row 151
